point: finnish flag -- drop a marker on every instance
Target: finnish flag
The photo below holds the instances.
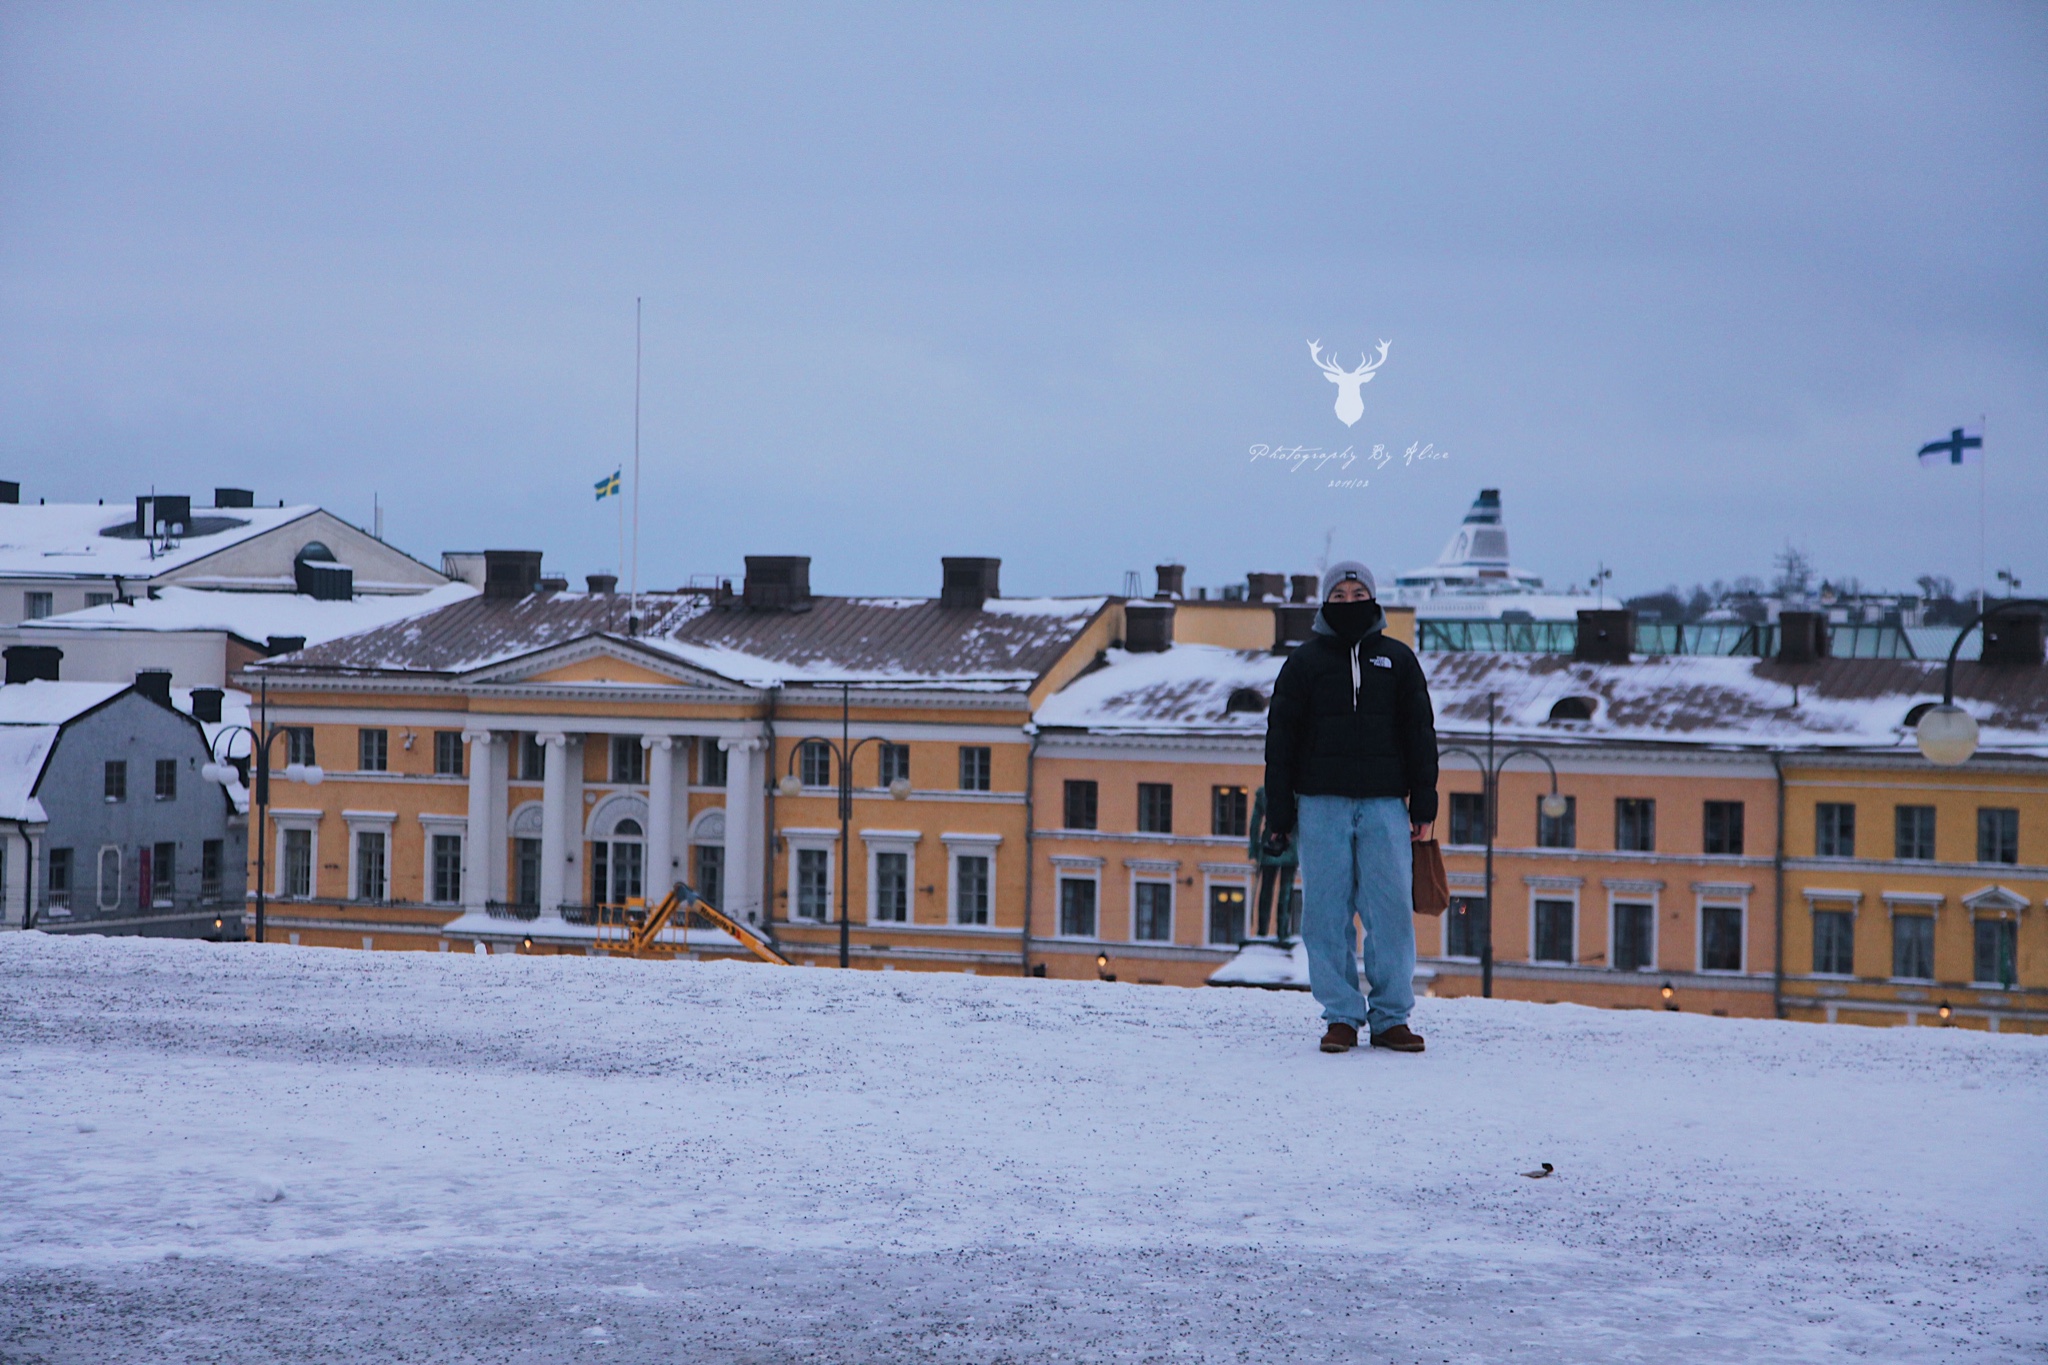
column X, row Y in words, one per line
column 1965, row 445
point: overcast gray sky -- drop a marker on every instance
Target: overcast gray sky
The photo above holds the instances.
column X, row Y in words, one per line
column 1686, row 283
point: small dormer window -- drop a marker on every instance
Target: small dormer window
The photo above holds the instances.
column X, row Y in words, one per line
column 1247, row 699
column 1573, row 708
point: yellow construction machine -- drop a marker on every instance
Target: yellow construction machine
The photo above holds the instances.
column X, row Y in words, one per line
column 643, row 929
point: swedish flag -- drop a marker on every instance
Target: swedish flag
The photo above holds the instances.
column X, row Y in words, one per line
column 608, row 487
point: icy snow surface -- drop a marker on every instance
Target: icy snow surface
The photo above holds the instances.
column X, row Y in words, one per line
column 234, row 1153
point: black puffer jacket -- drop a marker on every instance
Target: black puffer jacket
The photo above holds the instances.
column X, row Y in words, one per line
column 1350, row 721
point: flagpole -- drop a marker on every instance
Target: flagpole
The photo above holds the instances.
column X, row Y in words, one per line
column 1983, row 475
column 634, row 612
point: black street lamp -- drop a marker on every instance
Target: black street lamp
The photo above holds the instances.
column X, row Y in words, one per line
column 221, row 770
column 1489, row 771
column 1947, row 734
column 792, row 784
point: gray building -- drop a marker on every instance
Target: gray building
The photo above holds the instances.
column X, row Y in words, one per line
column 107, row 824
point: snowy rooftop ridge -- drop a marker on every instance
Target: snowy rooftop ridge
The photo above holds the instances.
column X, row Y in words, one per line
column 51, row 540
column 253, row 616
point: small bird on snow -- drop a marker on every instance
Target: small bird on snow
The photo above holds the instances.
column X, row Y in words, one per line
column 1538, row 1175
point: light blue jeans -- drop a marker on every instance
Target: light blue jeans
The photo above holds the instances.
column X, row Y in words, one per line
column 1357, row 865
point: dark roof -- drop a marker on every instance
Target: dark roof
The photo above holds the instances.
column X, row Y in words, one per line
column 878, row 640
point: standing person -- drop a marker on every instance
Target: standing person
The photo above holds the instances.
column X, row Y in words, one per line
column 1351, row 775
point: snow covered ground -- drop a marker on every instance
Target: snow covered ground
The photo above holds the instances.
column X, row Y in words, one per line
column 232, row 1153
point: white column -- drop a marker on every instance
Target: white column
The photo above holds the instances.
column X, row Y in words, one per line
column 477, row 843
column 554, row 802
column 743, row 799
column 661, row 816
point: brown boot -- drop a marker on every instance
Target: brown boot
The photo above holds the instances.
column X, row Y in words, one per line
column 1399, row 1038
column 1340, row 1037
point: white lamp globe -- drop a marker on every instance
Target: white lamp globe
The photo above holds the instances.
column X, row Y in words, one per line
column 899, row 788
column 1947, row 735
column 790, row 785
column 1555, row 806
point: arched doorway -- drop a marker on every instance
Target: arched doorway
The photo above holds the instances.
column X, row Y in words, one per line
column 618, row 851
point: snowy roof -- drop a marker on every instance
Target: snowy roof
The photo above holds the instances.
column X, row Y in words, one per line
column 33, row 714
column 1737, row 702
column 92, row 540
column 254, row 616
column 1009, row 642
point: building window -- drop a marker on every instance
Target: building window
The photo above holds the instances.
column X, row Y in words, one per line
column 814, row 763
column 1226, row 915
column 1834, row 830
column 446, row 873
column 117, row 779
column 1913, row 947
column 1913, row 832
column 1077, row 907
column 110, row 878
column 1720, row 938
column 59, row 861
column 526, row 872
column 813, row 884
column 1834, row 943
column 1155, row 808
column 629, row 760
column 975, row 768
column 370, row 866
column 711, row 875
column 1635, row 824
column 1997, row 955
column 533, row 759
column 1464, row 923
column 1634, row 923
column 167, row 779
column 710, row 763
column 1724, row 827
column 1554, row 930
column 99, row 599
column 1154, row 917
column 1229, row 810
column 36, row 605
column 298, row 745
column 373, row 751
column 212, row 858
column 1563, row 832
column 1468, row 818
column 163, row 874
column 1998, row 835
column 295, row 878
column 615, row 865
column 971, row 888
column 892, row 888
column 891, row 763
column 448, row 753
column 1079, row 812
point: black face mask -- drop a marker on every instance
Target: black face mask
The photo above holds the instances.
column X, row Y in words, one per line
column 1351, row 620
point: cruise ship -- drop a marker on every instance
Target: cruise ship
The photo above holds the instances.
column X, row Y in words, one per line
column 1473, row 578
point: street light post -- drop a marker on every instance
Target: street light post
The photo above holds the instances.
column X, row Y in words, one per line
column 1489, row 776
column 792, row 784
column 223, row 772
column 1947, row 734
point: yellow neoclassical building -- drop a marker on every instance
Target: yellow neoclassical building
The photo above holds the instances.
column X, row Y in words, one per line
column 1064, row 787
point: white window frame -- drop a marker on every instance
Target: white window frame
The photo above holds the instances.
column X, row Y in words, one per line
column 1210, row 881
column 361, row 822
column 280, row 821
column 1074, row 868
column 1926, row 904
column 813, row 840
column 880, row 841
column 979, row 846
column 99, row 867
column 431, row 825
column 1718, row 900
column 1635, row 891
column 1557, row 889
column 1159, row 872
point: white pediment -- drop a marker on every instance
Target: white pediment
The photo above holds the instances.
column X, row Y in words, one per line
column 1996, row 898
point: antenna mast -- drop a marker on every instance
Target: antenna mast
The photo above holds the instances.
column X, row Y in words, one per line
column 633, row 616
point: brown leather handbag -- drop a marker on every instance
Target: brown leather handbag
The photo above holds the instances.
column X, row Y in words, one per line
column 1432, row 887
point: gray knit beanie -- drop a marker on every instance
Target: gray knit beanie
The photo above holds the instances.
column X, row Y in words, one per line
column 1343, row 569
